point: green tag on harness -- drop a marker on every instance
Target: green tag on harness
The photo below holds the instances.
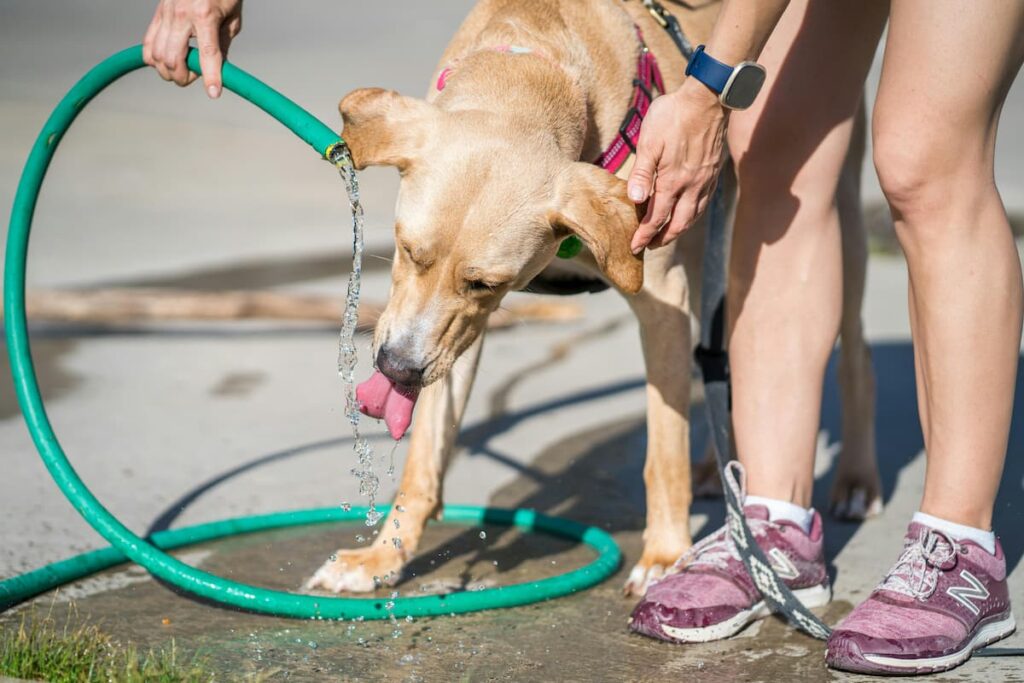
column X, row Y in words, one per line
column 569, row 247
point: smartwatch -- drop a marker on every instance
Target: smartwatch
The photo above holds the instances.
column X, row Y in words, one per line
column 736, row 87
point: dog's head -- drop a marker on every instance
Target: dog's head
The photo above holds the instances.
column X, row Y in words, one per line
column 481, row 211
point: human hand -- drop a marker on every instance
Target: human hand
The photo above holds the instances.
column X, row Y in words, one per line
column 214, row 23
column 677, row 161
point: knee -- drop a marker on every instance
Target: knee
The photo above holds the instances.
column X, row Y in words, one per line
column 902, row 169
column 922, row 169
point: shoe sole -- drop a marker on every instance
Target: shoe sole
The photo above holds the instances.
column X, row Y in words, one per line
column 815, row 596
column 850, row 658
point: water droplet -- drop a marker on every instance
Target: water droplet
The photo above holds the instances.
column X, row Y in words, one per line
column 397, row 542
column 409, row 619
column 332, row 558
column 483, row 534
column 400, row 508
column 346, row 506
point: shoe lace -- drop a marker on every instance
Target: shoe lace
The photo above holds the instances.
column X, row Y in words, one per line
column 916, row 572
column 718, row 548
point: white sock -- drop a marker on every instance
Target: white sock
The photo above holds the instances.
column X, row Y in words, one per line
column 779, row 510
column 959, row 532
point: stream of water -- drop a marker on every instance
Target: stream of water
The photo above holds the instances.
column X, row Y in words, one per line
column 369, row 483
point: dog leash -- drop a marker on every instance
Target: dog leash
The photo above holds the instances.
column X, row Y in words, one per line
column 712, row 357
column 668, row 21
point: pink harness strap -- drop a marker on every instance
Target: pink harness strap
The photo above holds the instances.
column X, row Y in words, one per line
column 647, row 81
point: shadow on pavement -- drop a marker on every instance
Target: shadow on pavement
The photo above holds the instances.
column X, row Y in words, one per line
column 597, row 476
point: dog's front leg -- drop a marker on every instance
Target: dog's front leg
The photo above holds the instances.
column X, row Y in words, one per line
column 663, row 311
column 441, row 407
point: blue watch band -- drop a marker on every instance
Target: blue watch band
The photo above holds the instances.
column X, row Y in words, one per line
column 708, row 70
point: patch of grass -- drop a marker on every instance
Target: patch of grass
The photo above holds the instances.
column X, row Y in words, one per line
column 78, row 652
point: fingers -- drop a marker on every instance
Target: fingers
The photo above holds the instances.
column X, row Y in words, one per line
column 682, row 218
column 155, row 40
column 640, row 187
column 641, row 178
column 147, row 42
column 210, row 57
column 175, row 50
column 688, row 210
column 659, row 211
column 175, row 22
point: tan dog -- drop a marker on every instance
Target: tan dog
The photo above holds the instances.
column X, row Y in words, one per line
column 492, row 182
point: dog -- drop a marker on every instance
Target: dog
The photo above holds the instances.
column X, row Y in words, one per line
column 496, row 173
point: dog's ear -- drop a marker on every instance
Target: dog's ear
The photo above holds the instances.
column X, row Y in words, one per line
column 383, row 128
column 591, row 203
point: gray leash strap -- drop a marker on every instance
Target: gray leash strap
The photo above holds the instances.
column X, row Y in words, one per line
column 669, row 22
column 713, row 360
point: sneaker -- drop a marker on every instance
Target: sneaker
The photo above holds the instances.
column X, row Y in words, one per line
column 942, row 600
column 712, row 596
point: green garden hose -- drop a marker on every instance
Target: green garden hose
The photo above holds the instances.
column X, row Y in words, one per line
column 149, row 552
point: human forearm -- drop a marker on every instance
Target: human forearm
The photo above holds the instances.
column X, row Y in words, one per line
column 743, row 28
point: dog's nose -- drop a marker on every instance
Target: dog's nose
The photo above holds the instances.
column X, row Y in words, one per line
column 398, row 369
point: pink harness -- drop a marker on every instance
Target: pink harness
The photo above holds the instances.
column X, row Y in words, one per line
column 647, row 81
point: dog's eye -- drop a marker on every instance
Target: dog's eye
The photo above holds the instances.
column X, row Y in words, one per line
column 478, row 286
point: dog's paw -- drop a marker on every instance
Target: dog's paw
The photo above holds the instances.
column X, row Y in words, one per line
column 358, row 571
column 653, row 566
column 855, row 497
column 641, row 577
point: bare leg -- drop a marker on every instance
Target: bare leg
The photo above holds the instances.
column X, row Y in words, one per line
column 441, row 407
column 785, row 285
column 857, row 487
column 935, row 130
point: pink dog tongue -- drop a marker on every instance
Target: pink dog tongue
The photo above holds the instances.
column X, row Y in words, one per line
column 379, row 397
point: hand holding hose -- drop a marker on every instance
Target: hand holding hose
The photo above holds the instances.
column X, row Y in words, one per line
column 677, row 161
column 213, row 23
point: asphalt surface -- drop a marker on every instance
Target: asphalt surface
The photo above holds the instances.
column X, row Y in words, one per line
column 175, row 424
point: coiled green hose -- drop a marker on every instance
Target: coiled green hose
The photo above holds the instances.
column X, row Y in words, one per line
column 149, row 552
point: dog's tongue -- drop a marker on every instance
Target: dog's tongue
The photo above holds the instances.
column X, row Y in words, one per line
column 379, row 397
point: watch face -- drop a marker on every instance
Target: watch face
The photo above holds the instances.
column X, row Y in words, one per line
column 743, row 86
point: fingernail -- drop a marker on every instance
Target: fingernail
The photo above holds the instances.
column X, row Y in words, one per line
column 636, row 193
column 637, row 250
column 213, row 91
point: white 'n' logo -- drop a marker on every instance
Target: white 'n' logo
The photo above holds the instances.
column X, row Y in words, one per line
column 782, row 565
column 965, row 594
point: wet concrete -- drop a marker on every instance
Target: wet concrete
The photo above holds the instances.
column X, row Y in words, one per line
column 578, row 638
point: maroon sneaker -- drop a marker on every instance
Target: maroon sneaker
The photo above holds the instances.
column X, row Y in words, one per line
column 712, row 596
column 942, row 600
